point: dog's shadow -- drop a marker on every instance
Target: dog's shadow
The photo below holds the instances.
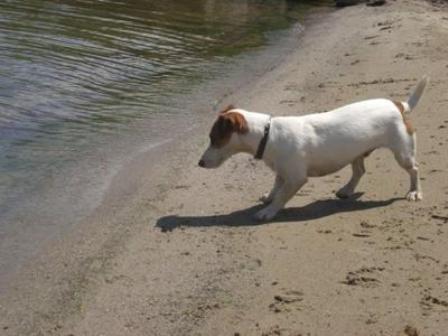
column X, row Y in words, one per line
column 311, row 211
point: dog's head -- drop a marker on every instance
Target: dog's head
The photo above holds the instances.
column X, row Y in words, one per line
column 224, row 138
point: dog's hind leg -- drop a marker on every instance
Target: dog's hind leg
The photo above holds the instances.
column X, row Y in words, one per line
column 267, row 198
column 408, row 163
column 358, row 170
column 405, row 150
column 415, row 190
column 287, row 190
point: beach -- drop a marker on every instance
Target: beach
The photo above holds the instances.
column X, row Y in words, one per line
column 173, row 248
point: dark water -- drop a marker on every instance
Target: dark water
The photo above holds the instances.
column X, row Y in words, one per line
column 78, row 76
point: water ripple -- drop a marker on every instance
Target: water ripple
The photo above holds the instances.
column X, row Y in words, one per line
column 74, row 71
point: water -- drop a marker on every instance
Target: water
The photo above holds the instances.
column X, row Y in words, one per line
column 82, row 82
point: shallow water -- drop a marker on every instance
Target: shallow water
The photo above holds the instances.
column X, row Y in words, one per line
column 76, row 76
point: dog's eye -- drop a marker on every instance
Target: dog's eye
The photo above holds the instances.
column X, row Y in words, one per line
column 215, row 144
column 213, row 141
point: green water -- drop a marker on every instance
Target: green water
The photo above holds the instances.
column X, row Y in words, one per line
column 83, row 83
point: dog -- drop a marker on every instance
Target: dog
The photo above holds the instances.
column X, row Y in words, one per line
column 299, row 147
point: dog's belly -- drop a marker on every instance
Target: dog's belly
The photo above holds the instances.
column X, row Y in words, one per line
column 326, row 155
column 329, row 160
column 325, row 169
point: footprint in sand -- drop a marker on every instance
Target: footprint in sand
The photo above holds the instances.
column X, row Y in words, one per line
column 410, row 331
column 364, row 277
column 430, row 302
column 278, row 331
column 286, row 301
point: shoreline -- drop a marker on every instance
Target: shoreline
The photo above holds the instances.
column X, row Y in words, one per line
column 85, row 184
column 183, row 257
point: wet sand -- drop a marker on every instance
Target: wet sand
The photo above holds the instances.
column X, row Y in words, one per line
column 173, row 249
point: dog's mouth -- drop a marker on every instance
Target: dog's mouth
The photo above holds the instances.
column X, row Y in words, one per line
column 212, row 158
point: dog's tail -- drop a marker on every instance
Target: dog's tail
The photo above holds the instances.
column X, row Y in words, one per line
column 417, row 94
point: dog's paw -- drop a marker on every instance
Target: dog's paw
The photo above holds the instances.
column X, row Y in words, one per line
column 266, row 199
column 414, row 196
column 265, row 214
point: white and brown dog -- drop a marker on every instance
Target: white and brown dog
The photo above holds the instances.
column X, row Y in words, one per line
column 317, row 144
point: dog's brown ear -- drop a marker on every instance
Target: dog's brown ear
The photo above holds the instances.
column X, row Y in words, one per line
column 227, row 109
column 235, row 122
column 225, row 125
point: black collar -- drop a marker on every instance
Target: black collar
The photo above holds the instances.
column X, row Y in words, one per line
column 263, row 141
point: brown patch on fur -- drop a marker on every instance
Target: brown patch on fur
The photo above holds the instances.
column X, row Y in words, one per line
column 225, row 125
column 409, row 128
column 227, row 109
column 400, row 107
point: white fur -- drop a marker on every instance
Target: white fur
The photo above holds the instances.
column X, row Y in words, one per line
column 323, row 143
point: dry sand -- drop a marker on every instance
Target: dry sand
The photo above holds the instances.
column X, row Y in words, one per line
column 173, row 249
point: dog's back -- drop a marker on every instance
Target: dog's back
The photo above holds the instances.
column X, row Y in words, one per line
column 327, row 141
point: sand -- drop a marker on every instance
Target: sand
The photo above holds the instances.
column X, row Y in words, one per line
column 173, row 249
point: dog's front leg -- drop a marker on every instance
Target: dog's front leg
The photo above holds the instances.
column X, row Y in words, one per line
column 358, row 170
column 287, row 190
column 267, row 198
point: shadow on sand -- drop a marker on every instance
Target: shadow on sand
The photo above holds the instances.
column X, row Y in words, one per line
column 314, row 210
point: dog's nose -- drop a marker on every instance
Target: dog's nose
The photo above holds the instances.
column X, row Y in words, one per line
column 201, row 163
